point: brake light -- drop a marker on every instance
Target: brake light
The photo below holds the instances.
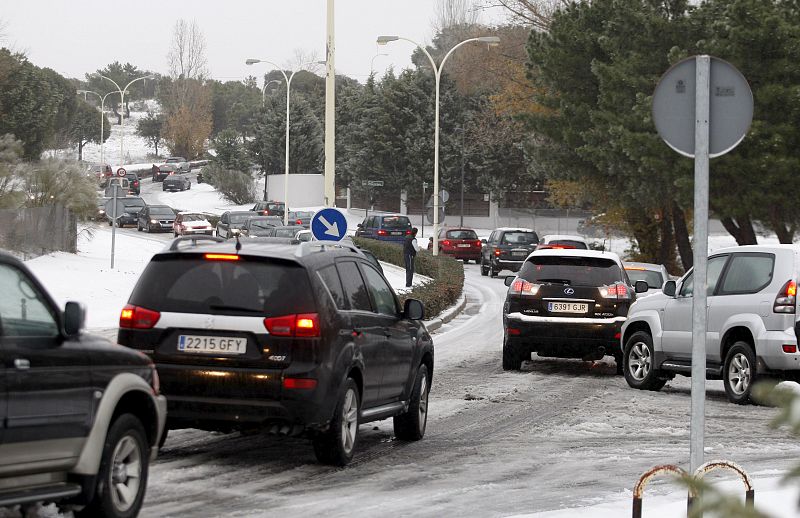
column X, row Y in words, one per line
column 446, row 242
column 135, row 317
column 789, row 348
column 785, row 301
column 618, row 291
column 408, row 232
column 266, row 213
column 221, row 257
column 382, row 232
column 635, row 268
column 299, row 222
column 497, row 253
column 524, row 288
column 478, row 243
column 304, row 325
column 299, row 383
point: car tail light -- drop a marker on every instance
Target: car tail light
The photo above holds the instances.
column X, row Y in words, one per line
column 221, row 257
column 266, row 213
column 497, row 253
column 299, row 383
column 524, row 288
column 785, row 301
column 299, row 222
column 789, row 348
column 408, row 232
column 446, row 242
column 382, row 232
column 478, row 243
column 615, row 291
column 135, row 317
column 304, row 325
column 513, row 331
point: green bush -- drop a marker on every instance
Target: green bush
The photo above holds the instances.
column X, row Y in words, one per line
column 235, row 186
column 447, row 274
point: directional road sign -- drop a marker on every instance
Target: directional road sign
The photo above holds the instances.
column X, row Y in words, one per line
column 372, row 183
column 329, row 225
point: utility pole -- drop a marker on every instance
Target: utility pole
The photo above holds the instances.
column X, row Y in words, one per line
column 330, row 113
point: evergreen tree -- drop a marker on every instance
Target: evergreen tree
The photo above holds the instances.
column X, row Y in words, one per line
column 85, row 127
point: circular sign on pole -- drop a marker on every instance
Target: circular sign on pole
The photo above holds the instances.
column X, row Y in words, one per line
column 329, row 225
column 444, row 196
column 121, row 172
column 731, row 107
column 429, row 214
column 109, row 207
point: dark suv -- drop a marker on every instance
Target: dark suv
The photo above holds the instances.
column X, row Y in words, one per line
column 79, row 416
column 387, row 227
column 506, row 249
column 566, row 304
column 292, row 339
column 134, row 186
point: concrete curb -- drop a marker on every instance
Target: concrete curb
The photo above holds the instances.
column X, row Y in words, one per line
column 447, row 315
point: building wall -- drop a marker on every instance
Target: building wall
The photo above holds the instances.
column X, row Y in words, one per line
column 305, row 190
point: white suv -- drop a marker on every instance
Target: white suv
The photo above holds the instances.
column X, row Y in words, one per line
column 752, row 306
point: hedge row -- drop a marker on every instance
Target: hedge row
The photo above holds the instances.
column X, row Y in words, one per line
column 447, row 274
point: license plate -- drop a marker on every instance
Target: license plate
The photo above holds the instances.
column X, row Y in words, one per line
column 519, row 254
column 464, row 245
column 396, row 233
column 567, row 307
column 212, row 344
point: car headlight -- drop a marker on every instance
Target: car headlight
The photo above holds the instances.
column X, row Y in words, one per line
column 153, row 221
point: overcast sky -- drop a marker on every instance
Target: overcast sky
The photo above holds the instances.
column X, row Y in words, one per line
column 75, row 37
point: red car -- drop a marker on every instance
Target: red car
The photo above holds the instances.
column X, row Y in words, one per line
column 461, row 243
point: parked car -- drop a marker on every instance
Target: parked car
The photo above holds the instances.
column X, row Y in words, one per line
column 270, row 208
column 156, row 218
column 506, row 249
column 133, row 205
column 101, row 172
column 191, row 223
column 655, row 275
column 566, row 303
column 562, row 241
column 160, row 172
column 385, row 227
column 134, row 185
column 309, row 340
column 101, row 209
column 461, row 243
column 233, row 220
column 752, row 329
column 260, row 226
column 301, row 217
column 176, row 182
column 81, row 416
column 285, row 231
column 305, row 236
column 180, row 163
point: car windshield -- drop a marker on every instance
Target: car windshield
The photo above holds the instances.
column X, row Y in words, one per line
column 274, row 206
column 187, row 283
column 396, row 222
column 285, row 232
column 260, row 224
column 302, row 214
column 519, row 238
column 570, row 243
column 162, row 211
column 193, row 217
column 462, row 234
column 575, row 271
column 133, row 202
column 653, row 279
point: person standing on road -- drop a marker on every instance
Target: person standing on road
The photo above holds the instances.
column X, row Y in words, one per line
column 410, row 249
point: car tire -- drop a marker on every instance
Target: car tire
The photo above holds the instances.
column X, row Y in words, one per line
column 484, row 269
column 336, row 445
column 125, row 449
column 410, row 426
column 149, row 229
column 493, row 272
column 189, row 186
column 138, row 227
column 638, row 363
column 512, row 359
column 739, row 373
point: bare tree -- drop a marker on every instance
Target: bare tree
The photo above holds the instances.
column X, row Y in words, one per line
column 187, row 54
column 534, row 13
column 301, row 57
column 454, row 13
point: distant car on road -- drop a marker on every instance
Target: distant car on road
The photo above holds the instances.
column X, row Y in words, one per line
column 176, row 182
column 156, row 218
column 301, row 217
column 562, row 241
column 180, row 163
column 460, row 243
column 385, row 227
column 133, row 205
column 134, row 185
column 270, row 208
column 506, row 249
column 231, row 221
column 260, row 226
column 655, row 275
column 290, row 231
column 191, row 223
column 101, row 172
column 160, row 172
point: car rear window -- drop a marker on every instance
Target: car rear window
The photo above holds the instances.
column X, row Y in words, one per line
column 462, row 234
column 193, row 217
column 274, row 206
column 652, row 278
column 519, row 238
column 575, row 271
column 263, row 224
column 191, row 284
column 285, row 232
column 133, row 202
column 240, row 218
column 395, row 222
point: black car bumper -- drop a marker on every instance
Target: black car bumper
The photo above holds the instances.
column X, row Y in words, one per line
column 508, row 264
column 564, row 337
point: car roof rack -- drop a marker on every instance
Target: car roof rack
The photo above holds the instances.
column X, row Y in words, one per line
column 308, row 247
column 194, row 239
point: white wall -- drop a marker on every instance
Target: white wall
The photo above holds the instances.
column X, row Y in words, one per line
column 305, row 190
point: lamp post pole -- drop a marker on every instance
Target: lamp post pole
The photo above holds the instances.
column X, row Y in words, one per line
column 437, row 71
column 102, row 118
column 288, row 79
column 264, row 90
column 122, row 114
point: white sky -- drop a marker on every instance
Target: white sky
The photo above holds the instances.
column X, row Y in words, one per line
column 75, row 37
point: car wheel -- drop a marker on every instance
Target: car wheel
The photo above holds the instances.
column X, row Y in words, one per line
column 149, row 229
column 138, row 226
column 484, row 269
column 739, row 373
column 410, row 426
column 189, row 186
column 336, row 445
column 493, row 272
column 122, row 479
column 639, row 365
column 512, row 359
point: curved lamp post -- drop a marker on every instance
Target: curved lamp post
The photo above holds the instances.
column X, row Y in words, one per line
column 122, row 107
column 288, row 79
column 264, row 91
column 491, row 40
column 102, row 117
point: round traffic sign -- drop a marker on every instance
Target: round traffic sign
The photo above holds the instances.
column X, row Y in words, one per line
column 329, row 224
column 121, row 172
column 730, row 103
column 444, row 196
column 109, row 207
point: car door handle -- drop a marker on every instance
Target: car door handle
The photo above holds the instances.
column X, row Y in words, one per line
column 22, row 364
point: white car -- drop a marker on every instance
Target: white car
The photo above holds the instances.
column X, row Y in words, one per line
column 655, row 275
column 180, row 163
column 190, row 223
column 562, row 241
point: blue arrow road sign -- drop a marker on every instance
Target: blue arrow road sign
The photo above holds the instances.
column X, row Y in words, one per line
column 329, row 225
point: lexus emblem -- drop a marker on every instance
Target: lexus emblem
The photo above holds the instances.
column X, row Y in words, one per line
column 569, row 291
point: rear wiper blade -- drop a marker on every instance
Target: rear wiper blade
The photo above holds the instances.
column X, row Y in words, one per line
column 234, row 308
column 555, row 281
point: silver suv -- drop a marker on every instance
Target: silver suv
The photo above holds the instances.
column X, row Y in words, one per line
column 752, row 306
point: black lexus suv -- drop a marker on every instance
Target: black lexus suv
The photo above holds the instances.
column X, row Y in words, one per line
column 566, row 304
column 293, row 339
column 79, row 416
column 506, row 249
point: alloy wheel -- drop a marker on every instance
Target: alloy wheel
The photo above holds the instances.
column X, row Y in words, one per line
column 423, row 403
column 349, row 420
column 639, row 361
column 739, row 374
column 126, row 473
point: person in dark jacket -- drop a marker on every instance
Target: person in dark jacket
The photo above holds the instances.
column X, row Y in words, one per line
column 410, row 248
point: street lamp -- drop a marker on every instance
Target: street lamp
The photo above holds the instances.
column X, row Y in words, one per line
column 437, row 71
column 102, row 117
column 288, row 79
column 122, row 108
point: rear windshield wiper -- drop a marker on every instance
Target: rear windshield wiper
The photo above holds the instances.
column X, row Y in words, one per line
column 235, row 308
column 555, row 281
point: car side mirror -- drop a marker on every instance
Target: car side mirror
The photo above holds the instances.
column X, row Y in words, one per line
column 73, row 319
column 509, row 280
column 413, row 310
column 669, row 288
column 641, row 287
